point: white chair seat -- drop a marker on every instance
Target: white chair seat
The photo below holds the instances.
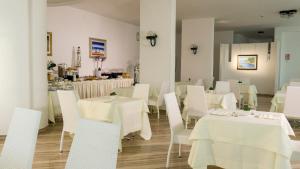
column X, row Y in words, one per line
column 152, row 101
column 292, row 116
column 182, row 137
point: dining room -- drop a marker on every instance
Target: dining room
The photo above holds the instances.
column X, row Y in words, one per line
column 140, row 84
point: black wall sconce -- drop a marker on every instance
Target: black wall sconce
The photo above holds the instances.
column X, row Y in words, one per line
column 194, row 49
column 152, row 38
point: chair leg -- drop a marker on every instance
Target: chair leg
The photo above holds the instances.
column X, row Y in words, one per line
column 186, row 121
column 61, row 142
column 179, row 150
column 157, row 108
column 169, row 153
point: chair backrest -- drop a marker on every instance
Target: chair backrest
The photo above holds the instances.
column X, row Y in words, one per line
column 95, row 145
column 141, row 91
column 294, row 83
column 196, row 99
column 291, row 105
column 19, row 146
column 208, row 82
column 164, row 89
column 222, row 87
column 199, row 82
column 235, row 88
column 173, row 112
column 69, row 109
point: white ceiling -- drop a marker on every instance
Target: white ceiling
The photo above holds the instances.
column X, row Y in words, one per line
column 229, row 14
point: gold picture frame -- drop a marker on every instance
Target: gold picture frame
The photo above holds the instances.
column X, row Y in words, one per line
column 49, row 43
column 97, row 48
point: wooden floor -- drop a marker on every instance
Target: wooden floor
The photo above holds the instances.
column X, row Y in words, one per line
column 137, row 153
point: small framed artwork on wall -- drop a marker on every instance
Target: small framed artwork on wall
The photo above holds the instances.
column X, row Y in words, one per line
column 247, row 62
column 97, row 48
column 49, row 43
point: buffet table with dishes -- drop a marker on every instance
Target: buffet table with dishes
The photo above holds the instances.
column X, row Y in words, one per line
column 248, row 140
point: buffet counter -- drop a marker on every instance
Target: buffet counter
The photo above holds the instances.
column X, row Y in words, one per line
column 97, row 88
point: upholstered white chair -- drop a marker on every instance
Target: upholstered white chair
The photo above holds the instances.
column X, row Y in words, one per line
column 196, row 103
column 179, row 135
column 158, row 101
column 141, row 91
column 208, row 82
column 20, row 142
column 199, row 82
column 294, row 83
column 235, row 88
column 95, row 145
column 291, row 105
column 222, row 87
column 70, row 113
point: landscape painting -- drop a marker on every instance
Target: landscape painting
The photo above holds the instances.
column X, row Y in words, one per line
column 97, row 48
column 247, row 62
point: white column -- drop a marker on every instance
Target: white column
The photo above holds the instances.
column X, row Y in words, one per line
column 20, row 47
column 201, row 33
column 157, row 64
column 38, row 71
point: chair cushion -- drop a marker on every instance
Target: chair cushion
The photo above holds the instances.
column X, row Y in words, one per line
column 182, row 137
column 152, row 101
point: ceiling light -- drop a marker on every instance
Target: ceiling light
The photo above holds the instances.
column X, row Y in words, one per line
column 288, row 13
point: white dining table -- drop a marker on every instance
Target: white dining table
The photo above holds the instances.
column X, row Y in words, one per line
column 256, row 140
column 215, row 101
column 131, row 114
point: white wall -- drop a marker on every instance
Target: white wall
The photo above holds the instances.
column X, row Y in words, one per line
column 219, row 38
column 73, row 27
column 23, row 59
column 263, row 77
column 200, row 32
column 288, row 43
column 157, row 64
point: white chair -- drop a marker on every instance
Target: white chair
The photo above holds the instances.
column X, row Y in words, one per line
column 141, row 91
column 95, row 145
column 208, row 83
column 158, row 101
column 222, row 87
column 20, row 142
column 179, row 135
column 235, row 88
column 296, row 150
column 294, row 83
column 199, row 82
column 70, row 113
column 291, row 105
column 196, row 103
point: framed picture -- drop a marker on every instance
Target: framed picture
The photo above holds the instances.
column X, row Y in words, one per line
column 247, row 62
column 49, row 43
column 97, row 48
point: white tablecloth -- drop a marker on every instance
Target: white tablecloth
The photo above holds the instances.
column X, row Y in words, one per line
column 278, row 102
column 53, row 106
column 215, row 101
column 97, row 88
column 244, row 142
column 131, row 114
column 127, row 91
